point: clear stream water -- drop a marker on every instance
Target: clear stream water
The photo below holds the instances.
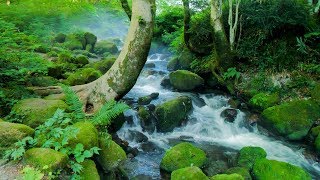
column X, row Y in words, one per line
column 205, row 127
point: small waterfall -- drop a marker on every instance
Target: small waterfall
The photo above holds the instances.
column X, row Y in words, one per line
column 205, row 126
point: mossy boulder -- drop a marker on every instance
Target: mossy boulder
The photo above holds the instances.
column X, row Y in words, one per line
column 12, row 132
column 111, row 154
column 105, row 46
column 249, row 155
column 227, row 177
column 262, row 101
column 60, row 38
column 83, row 76
column 293, row 119
column 173, row 64
column 89, row 171
column 103, row 66
column 265, row 169
column 55, row 97
column 72, row 43
column 80, row 60
column 40, row 157
column 315, row 94
column 188, row 173
column 244, row 172
column 184, row 80
column 181, row 156
column 35, row 111
column 91, row 40
column 172, row 113
column 87, row 135
column 146, row 119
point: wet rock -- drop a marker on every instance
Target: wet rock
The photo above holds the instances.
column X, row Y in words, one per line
column 137, row 136
column 198, row 101
column 249, row 155
column 185, row 80
column 122, row 143
column 149, row 147
column 132, row 151
column 142, row 177
column 147, row 119
column 111, row 155
column 165, row 82
column 172, row 113
column 241, row 171
column 117, row 123
column 253, row 119
column 292, row 120
column 189, row 173
column 147, row 99
column 151, row 107
column 150, row 65
column 229, row 115
column 129, row 101
column 216, row 167
column 153, row 57
column 181, row 156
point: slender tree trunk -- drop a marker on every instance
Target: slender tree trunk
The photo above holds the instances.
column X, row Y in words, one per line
column 126, row 7
column 221, row 43
column 125, row 71
column 233, row 26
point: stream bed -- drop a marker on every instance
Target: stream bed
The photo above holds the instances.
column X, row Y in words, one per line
column 205, row 128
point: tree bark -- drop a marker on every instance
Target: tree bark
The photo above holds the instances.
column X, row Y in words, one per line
column 233, row 26
column 126, row 7
column 125, row 71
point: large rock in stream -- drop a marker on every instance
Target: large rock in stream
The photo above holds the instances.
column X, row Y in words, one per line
column 185, row 80
column 293, row 119
column 172, row 113
column 181, row 156
column 35, row 111
column 189, row 173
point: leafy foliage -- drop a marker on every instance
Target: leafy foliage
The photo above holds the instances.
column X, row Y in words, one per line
column 231, row 73
column 75, row 105
column 30, row 173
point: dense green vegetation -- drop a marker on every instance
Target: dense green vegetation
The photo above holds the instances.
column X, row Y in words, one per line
column 272, row 70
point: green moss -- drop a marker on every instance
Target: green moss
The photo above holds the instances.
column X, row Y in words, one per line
column 55, row 97
column 12, row 132
column 249, row 155
column 65, row 57
column 105, row 46
column 241, row 171
column 181, row 156
column 188, row 173
column 315, row 93
column 173, row 64
column 103, row 66
column 60, row 38
column 227, row 177
column 293, row 119
column 36, row 111
column 262, row 101
column 89, row 171
column 91, row 40
column 40, row 157
column 171, row 114
column 87, row 135
column 317, row 143
column 144, row 114
column 265, row 169
column 111, row 155
column 185, row 80
column 83, row 76
column 80, row 60
column 144, row 100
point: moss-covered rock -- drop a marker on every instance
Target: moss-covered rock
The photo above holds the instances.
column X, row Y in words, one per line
column 227, row 177
column 40, row 157
column 60, row 38
column 83, row 76
column 173, row 64
column 241, row 171
column 249, row 155
column 89, row 171
column 105, row 46
column 91, row 40
column 12, row 132
column 262, row 101
column 315, row 94
column 73, row 44
column 55, row 97
column 171, row 114
column 111, row 154
column 293, row 119
column 103, row 66
column 185, row 80
column 188, row 173
column 80, row 60
column 87, row 135
column 265, row 169
column 181, row 156
column 35, row 111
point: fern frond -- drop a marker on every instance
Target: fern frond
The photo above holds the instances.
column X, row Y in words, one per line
column 75, row 105
column 108, row 112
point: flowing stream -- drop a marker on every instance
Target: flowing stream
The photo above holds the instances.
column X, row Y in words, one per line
column 204, row 128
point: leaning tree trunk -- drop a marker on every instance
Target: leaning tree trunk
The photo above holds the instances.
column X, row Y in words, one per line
column 125, row 71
